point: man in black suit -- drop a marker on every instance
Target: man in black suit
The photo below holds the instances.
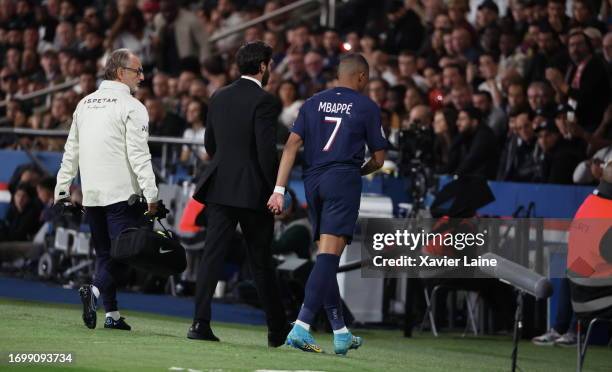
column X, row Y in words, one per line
column 241, row 139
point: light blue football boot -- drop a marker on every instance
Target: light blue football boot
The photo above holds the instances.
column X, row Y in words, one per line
column 301, row 339
column 343, row 342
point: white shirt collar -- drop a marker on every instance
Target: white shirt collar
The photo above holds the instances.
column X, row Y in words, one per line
column 116, row 85
column 252, row 79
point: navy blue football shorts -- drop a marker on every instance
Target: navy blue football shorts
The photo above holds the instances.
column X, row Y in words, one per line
column 333, row 198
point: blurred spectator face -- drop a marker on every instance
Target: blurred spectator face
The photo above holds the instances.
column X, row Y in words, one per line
column 67, row 10
column 461, row 40
column 420, row 115
column 581, row 12
column 59, row 109
column 125, row 6
column 90, row 15
column 331, row 41
column 353, row 42
column 465, row 124
column 21, row 199
column 412, row 98
column 555, row 10
column 81, row 31
column 536, row 97
column 225, row 8
column 287, row 93
column 377, row 91
column 487, row 67
column 30, row 176
column 12, row 108
column 53, row 7
column 65, row 35
column 407, row 65
column 461, row 97
column 9, row 81
column 198, row 89
column 172, row 87
column 485, row 17
column 367, row 43
column 440, row 125
column 507, row 44
column 547, row 140
column 29, row 60
column 296, row 63
column 523, row 127
column 448, row 44
column 184, row 81
column 194, row 112
column 30, row 38
column 607, row 47
column 160, row 85
column 155, row 109
column 434, row 80
column 482, row 103
column 578, row 48
column 143, row 93
column 169, row 10
column 13, row 59
column 14, row 38
column 516, row 96
column 518, row 12
column 300, row 37
column 49, row 63
column 92, row 40
column 456, row 12
column 451, row 77
column 252, row 34
column 313, row 63
column 7, row 9
column 76, row 67
column 87, row 83
column 44, row 195
column 271, row 39
column 490, row 39
column 442, row 22
column 546, row 42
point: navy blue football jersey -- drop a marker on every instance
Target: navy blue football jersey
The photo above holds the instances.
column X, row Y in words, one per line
column 335, row 126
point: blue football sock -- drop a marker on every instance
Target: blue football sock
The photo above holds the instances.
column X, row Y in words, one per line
column 323, row 274
column 333, row 306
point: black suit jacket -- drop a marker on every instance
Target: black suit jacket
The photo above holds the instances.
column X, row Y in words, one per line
column 241, row 139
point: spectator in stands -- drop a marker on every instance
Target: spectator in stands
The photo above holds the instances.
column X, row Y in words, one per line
column 404, row 28
column 296, row 72
column 588, row 84
column 196, row 119
column 487, row 15
column 50, row 65
column 559, row 157
column 226, row 16
column 87, row 84
column 590, row 171
column 287, row 92
column 44, row 192
column 489, row 71
column 161, row 90
column 331, row 49
column 493, row 116
column 8, row 84
column 65, row 38
column 516, row 97
column 214, row 71
column 461, row 97
column 23, row 218
column 314, row 63
column 550, row 53
column 556, row 18
column 412, row 98
column 181, row 39
column 129, row 32
column 474, row 151
column 463, row 46
column 162, row 123
column 445, row 130
column 540, row 96
column 452, row 76
column 407, row 69
column 583, row 16
column 519, row 160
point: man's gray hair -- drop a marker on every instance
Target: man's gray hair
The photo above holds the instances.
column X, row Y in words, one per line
column 118, row 58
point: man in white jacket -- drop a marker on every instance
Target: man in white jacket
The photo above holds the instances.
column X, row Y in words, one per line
column 108, row 145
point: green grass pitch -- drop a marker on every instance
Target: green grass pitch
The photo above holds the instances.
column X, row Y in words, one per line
column 158, row 343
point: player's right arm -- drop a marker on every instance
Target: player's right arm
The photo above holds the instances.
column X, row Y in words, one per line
column 375, row 163
column 275, row 203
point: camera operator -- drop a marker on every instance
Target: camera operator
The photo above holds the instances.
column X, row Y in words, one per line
column 108, row 145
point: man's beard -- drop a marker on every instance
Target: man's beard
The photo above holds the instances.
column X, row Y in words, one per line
column 265, row 78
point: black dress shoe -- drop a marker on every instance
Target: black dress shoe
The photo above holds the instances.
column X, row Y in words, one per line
column 277, row 339
column 200, row 331
column 117, row 324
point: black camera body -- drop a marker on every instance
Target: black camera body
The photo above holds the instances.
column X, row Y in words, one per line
column 415, row 147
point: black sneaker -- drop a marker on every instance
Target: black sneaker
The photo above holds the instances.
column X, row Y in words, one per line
column 116, row 324
column 89, row 306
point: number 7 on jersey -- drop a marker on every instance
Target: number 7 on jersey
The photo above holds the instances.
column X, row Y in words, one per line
column 330, row 141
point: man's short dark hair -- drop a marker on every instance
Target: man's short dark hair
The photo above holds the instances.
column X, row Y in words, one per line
column 251, row 55
column 354, row 62
column 473, row 113
column 485, row 94
column 47, row 183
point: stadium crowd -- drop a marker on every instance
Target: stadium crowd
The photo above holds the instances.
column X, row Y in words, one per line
column 520, row 94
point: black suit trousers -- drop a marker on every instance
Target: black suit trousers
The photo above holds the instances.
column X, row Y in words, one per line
column 257, row 227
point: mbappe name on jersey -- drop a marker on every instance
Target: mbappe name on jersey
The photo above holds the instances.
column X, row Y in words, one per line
column 335, row 108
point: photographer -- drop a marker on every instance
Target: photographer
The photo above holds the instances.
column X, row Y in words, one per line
column 108, row 145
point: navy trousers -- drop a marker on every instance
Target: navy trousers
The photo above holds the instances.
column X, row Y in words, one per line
column 106, row 223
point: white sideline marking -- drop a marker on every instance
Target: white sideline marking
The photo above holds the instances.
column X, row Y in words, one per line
column 285, row 370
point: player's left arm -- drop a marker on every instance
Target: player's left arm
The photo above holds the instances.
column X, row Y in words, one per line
column 375, row 163
column 377, row 142
column 293, row 145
